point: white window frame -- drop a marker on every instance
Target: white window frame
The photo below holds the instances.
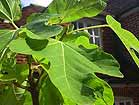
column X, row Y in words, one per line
column 124, row 100
column 85, row 23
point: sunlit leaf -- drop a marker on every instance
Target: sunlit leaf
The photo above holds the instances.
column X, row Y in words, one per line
column 95, row 54
column 70, row 71
column 10, row 10
column 71, row 10
column 128, row 39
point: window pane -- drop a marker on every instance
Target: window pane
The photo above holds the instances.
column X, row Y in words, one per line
column 97, row 41
column 91, row 31
column 121, row 103
column 92, row 40
column 96, row 31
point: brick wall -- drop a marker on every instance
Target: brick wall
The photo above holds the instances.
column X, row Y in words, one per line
column 131, row 23
column 108, row 40
column 28, row 11
column 132, row 92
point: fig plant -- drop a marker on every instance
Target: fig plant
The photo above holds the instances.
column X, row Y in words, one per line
column 61, row 63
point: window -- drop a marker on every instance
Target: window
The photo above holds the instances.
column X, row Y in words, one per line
column 95, row 34
column 123, row 101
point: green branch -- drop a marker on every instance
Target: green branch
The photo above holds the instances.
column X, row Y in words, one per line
column 91, row 27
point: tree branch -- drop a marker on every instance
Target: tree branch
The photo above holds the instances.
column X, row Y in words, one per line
column 91, row 27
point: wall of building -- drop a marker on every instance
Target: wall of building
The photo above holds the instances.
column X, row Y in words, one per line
column 131, row 23
column 132, row 92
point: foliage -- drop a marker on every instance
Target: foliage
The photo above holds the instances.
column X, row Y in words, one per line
column 128, row 39
column 61, row 63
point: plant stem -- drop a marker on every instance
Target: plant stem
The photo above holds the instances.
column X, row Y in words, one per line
column 33, row 89
column 15, row 26
column 91, row 27
column 34, row 94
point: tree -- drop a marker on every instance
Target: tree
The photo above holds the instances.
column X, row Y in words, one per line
column 61, row 62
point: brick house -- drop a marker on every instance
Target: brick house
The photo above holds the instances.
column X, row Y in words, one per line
column 126, row 90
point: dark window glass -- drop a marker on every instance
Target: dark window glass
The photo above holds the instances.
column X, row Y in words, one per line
column 128, row 103
column 121, row 103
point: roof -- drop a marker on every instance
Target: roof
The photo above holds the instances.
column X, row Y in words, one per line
column 118, row 7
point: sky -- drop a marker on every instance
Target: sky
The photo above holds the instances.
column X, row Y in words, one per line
column 43, row 3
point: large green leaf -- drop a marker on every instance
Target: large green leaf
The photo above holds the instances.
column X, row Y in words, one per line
column 5, row 37
column 71, row 10
column 68, row 68
column 10, row 10
column 128, row 39
column 70, row 72
column 92, row 52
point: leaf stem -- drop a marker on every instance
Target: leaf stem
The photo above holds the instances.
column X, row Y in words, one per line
column 91, row 27
column 15, row 26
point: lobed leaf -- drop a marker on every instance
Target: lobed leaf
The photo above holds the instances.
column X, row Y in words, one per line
column 67, row 66
column 127, row 38
column 105, row 61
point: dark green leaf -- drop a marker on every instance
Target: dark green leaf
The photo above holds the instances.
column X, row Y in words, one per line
column 10, row 10
column 101, row 90
column 71, row 10
column 41, row 31
column 128, row 39
column 37, row 18
column 49, row 94
column 36, row 44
